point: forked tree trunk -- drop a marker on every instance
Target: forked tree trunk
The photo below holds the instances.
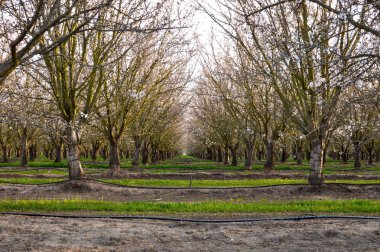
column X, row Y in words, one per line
column 24, row 153
column 114, row 162
column 269, row 163
column 249, row 159
column 316, row 161
column 357, row 155
column 72, row 153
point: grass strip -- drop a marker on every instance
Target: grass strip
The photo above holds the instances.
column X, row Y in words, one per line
column 307, row 206
column 29, row 181
column 187, row 183
column 33, row 172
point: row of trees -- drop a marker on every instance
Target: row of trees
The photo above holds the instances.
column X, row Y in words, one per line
column 79, row 74
column 291, row 71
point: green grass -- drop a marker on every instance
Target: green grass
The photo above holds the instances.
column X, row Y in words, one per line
column 306, row 206
column 186, row 183
column 191, row 163
column 34, row 172
column 29, row 181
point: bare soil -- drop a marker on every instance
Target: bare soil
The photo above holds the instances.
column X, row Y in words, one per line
column 19, row 233
column 98, row 191
column 102, row 174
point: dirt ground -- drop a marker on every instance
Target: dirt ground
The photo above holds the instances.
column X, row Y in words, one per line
column 100, row 191
column 19, row 233
column 22, row 233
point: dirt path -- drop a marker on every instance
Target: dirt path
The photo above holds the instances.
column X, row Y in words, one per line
column 99, row 191
column 52, row 234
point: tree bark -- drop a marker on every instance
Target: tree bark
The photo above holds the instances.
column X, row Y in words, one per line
column 370, row 149
column 284, row 155
column 72, row 153
column 4, row 152
column 316, row 161
column 136, row 154
column 94, row 151
column 299, row 155
column 58, row 152
column 220, row 155
column 154, row 156
column 249, row 159
column 31, row 152
column 114, row 162
column 234, row 161
column 370, row 157
column 24, row 154
column 145, row 154
column 269, row 163
column 357, row 154
column 226, row 161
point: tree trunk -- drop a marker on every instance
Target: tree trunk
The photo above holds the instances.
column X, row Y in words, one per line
column 377, row 154
column 370, row 149
column 24, row 154
column 259, row 154
column 31, row 153
column 4, row 152
column 51, row 152
column 220, row 155
column 225, row 162
column 299, row 155
column 58, row 152
column 136, row 154
column 114, row 162
column 145, row 154
column 284, row 156
column 316, row 161
column 370, row 157
column 357, row 155
column 249, row 159
column 234, row 161
column 94, row 151
column 269, row 163
column 154, row 154
column 73, row 159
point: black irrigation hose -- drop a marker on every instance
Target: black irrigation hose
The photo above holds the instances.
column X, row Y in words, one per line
column 248, row 220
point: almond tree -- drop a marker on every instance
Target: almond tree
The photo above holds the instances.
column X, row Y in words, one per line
column 307, row 55
column 23, row 23
column 75, row 70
